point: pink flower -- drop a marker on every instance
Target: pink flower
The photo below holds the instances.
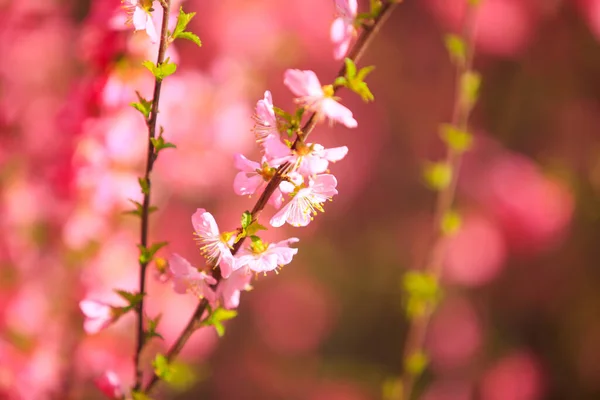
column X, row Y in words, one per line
column 253, row 177
column 263, row 257
column 266, row 122
column 229, row 289
column 98, row 315
column 299, row 211
column 109, row 384
column 312, row 159
column 342, row 29
column 306, row 85
column 140, row 16
column 187, row 278
column 215, row 246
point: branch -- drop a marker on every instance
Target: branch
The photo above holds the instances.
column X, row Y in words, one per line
column 150, row 159
column 418, row 325
column 362, row 43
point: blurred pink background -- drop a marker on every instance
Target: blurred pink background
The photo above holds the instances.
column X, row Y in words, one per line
column 520, row 315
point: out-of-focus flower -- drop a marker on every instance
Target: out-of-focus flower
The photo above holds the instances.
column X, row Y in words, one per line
column 253, row 176
column 299, row 211
column 109, row 384
column 342, row 29
column 140, row 15
column 186, row 278
column 215, row 246
column 98, row 315
column 229, row 289
column 516, row 377
column 263, row 257
column 320, row 100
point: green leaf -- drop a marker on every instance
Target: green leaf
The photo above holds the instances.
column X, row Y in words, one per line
column 191, row 37
column 416, row 363
column 437, row 175
column 216, row 318
column 183, row 19
column 450, row 224
column 458, row 140
column 246, row 219
column 144, row 106
column 130, row 297
column 457, row 49
column 144, row 185
column 152, row 325
column 254, row 228
column 161, row 71
column 470, row 83
column 350, row 68
column 147, row 254
column 139, row 209
column 362, row 74
column 162, row 369
column 422, row 291
column 340, row 81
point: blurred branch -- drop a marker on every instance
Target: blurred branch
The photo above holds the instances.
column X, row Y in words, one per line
column 362, row 43
column 150, row 159
column 418, row 325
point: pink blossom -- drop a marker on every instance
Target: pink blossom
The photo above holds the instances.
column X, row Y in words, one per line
column 253, row 176
column 215, row 246
column 320, row 100
column 187, row 278
column 342, row 29
column 263, row 257
column 305, row 203
column 98, row 315
column 229, row 289
column 265, row 119
column 312, row 159
column 141, row 17
column 109, row 384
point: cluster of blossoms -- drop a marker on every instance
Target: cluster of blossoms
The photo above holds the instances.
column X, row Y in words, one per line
column 304, row 180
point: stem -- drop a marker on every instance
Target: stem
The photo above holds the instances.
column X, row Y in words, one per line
column 150, row 159
column 417, row 329
column 362, row 43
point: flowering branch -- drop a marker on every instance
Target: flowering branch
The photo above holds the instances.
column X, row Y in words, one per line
column 146, row 187
column 368, row 33
column 422, row 287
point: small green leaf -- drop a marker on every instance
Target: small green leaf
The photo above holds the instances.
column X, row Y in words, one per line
column 437, row 175
column 340, row 81
column 362, row 74
column 191, row 37
column 161, row 71
column 458, row 140
column 254, row 228
column 144, row 106
column 144, row 185
column 457, row 49
column 450, row 224
column 139, row 209
column 350, row 68
column 152, row 325
column 216, row 318
column 162, row 369
column 375, row 8
column 470, row 83
column 416, row 363
column 246, row 219
column 147, row 254
column 422, row 292
column 183, row 19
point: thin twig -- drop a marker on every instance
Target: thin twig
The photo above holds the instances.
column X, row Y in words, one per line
column 151, row 157
column 417, row 330
column 363, row 41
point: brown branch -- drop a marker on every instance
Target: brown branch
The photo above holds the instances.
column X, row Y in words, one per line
column 150, row 159
column 355, row 54
column 417, row 330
